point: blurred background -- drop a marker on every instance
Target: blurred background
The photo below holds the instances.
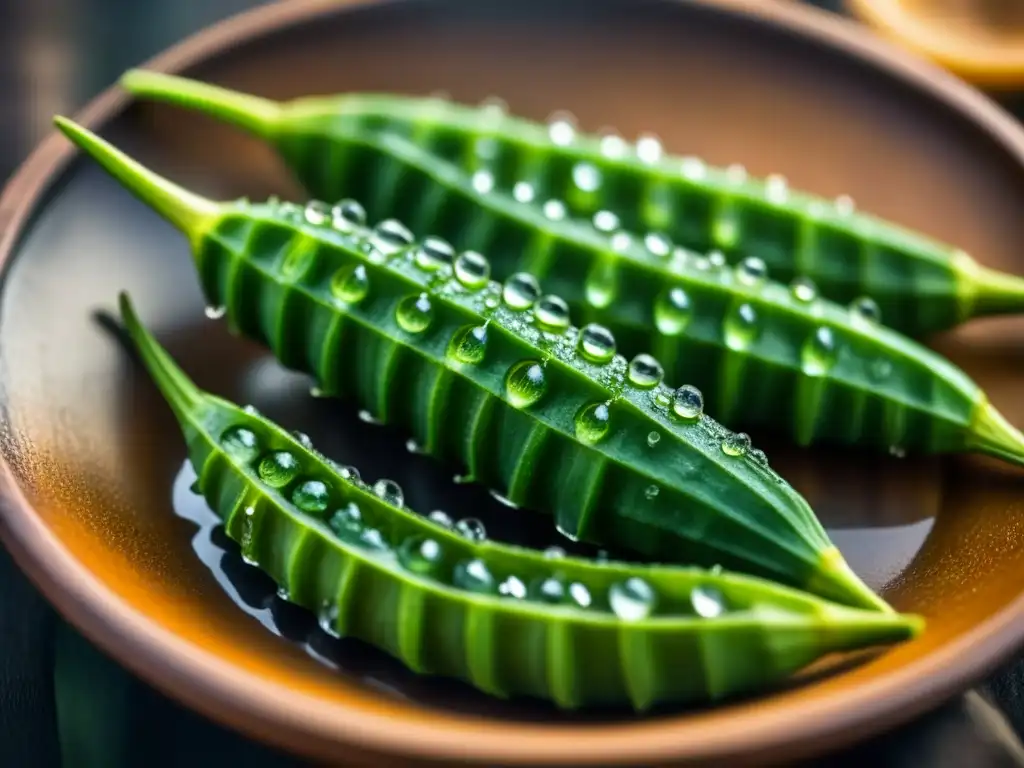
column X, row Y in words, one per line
column 61, row 702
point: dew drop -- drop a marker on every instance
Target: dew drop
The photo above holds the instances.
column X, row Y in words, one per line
column 580, row 595
column 390, row 236
column 880, row 369
column 741, row 327
column 303, row 439
column 413, row 447
column 632, row 599
column 562, row 129
column 312, row 496
column 421, row 556
column 524, row 192
column 347, row 522
column 653, row 438
column 648, row 149
column 552, row 313
column 554, row 553
column 278, row 469
column 251, row 410
column 707, row 602
column 606, row 221
column 441, row 518
column 776, row 189
column 586, row 177
column 369, row 418
column 371, row 538
column 327, row 618
column 525, row 383
column 736, row 444
column 389, row 491
column 651, row 491
column 283, row 593
column 474, row 576
column 672, row 312
column 520, row 291
column 548, row 590
column 469, row 345
column 693, row 168
column 613, row 146
column 471, row 528
column 657, row 244
column 759, row 457
column 554, row 210
column 752, row 271
column 736, row 174
column 688, row 402
column 434, row 254
column 597, row 343
column 240, row 443
column 350, row 284
column 621, row 241
column 483, row 181
column 348, row 216
column 317, row 213
column 845, row 205
column 592, row 422
column 663, row 398
column 645, row 372
column 804, row 290
column 819, row 352
column 351, row 474
column 865, row 308
column 215, row 312
column 472, row 270
column 415, row 313
column 513, row 587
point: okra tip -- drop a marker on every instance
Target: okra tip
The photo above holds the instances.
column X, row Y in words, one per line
column 992, row 434
column 189, row 212
column 835, row 580
column 984, row 291
column 251, row 113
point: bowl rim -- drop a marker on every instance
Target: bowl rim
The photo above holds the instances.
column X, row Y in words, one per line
column 303, row 724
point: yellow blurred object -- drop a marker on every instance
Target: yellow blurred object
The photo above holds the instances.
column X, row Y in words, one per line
column 981, row 41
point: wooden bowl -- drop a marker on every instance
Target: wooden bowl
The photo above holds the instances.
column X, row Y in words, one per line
column 96, row 506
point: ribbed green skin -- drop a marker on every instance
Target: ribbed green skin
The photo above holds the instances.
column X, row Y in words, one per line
column 881, row 390
column 572, row 653
column 917, row 281
column 685, row 497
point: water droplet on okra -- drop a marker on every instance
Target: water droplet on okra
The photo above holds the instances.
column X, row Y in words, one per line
column 707, row 602
column 776, row 188
column 613, row 146
column 351, row 474
column 513, row 586
column 471, row 528
column 632, row 599
column 311, row 496
column 648, row 149
column 672, row 312
column 390, row 236
column 525, row 383
column 752, row 271
column 653, row 438
column 596, row 343
column 819, row 352
column 580, row 595
column 845, row 205
column 472, row 270
column 421, row 556
column 415, row 313
column 350, row 284
column 240, row 443
column 469, row 345
column 474, row 576
column 554, row 210
column 434, row 254
column 303, row 439
column 278, row 469
column 657, row 244
column 586, row 177
column 741, row 327
column 553, row 553
column 547, row 590
column 606, row 221
column 348, row 216
column 317, row 212
column 389, row 491
column 651, row 492
column 524, row 192
column 867, row 309
column 562, row 129
column 736, row 444
column 483, row 181
column 645, row 372
column 441, row 518
column 804, row 290
column 520, row 291
column 688, row 402
column 592, row 422
column 215, row 312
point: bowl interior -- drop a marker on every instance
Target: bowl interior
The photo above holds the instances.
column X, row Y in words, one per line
column 96, row 452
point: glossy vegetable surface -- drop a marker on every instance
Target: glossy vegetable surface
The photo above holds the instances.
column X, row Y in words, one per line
column 496, row 380
column 764, row 356
column 343, row 146
column 505, row 619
